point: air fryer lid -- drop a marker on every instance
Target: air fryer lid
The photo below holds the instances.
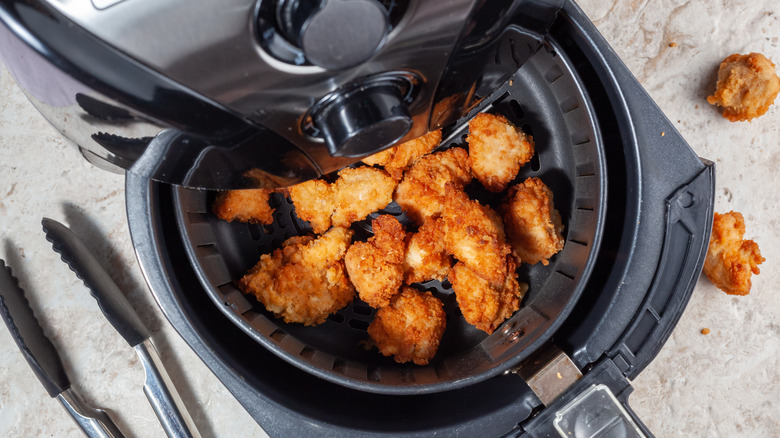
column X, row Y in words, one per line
column 245, row 98
column 546, row 99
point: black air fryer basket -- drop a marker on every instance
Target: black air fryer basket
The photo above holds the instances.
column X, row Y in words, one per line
column 546, row 100
column 637, row 209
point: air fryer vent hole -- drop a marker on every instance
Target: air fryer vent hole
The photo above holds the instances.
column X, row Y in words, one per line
column 336, row 317
column 553, row 74
column 362, row 309
column 407, row 375
column 277, row 335
column 535, row 164
column 254, row 232
column 339, row 366
column 374, row 374
column 307, row 352
column 198, row 218
column 358, row 324
column 565, row 274
column 517, row 110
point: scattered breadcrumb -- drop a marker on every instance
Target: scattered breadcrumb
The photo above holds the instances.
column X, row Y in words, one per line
column 731, row 260
column 705, row 331
column 747, row 85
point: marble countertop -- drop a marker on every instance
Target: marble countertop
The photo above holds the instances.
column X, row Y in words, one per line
column 723, row 384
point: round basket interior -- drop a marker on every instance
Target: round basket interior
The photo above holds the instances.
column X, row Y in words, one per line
column 545, row 99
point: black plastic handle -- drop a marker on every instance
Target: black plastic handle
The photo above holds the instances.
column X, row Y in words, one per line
column 109, row 297
column 28, row 334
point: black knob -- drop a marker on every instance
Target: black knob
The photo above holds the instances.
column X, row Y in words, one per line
column 364, row 120
column 334, row 34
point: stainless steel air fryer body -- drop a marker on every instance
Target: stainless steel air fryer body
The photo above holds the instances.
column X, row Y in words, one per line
column 241, row 93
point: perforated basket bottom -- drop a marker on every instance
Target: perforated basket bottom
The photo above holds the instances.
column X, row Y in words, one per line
column 544, row 98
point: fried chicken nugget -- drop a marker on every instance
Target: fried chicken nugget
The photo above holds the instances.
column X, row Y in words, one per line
column 249, row 206
column 485, row 305
column 313, row 203
column 426, row 257
column 375, row 267
column 305, row 280
column 497, row 150
column 731, row 260
column 533, row 226
column 410, row 327
column 747, row 85
column 421, row 193
column 357, row 193
column 397, row 159
column 474, row 234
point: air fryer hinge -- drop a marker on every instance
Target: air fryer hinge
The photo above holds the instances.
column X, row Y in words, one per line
column 548, row 373
column 596, row 405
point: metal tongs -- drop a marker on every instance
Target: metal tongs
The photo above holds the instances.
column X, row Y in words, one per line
column 45, row 361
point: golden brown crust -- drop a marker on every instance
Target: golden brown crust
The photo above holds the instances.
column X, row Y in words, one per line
column 426, row 258
column 313, row 203
column 421, row 193
column 497, row 150
column 533, row 225
column 305, row 280
column 357, row 193
column 410, row 327
column 375, row 267
column 244, row 206
column 747, row 85
column 731, row 260
column 399, row 158
column 485, row 305
column 474, row 234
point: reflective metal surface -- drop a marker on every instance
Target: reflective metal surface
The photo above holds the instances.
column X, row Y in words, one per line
column 95, row 423
column 159, row 389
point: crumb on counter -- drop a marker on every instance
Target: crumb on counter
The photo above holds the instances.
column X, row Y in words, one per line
column 673, row 44
column 705, row 331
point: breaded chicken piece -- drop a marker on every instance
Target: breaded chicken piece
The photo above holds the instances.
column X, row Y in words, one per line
column 305, row 280
column 410, row 327
column 426, row 258
column 375, row 267
column 313, row 203
column 731, row 260
column 485, row 305
column 497, row 150
column 244, row 206
column 533, row 225
column 357, row 193
column 474, row 234
column 747, row 85
column 397, row 159
column 421, row 192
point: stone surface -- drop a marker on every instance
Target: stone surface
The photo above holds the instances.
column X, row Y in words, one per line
column 724, row 384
